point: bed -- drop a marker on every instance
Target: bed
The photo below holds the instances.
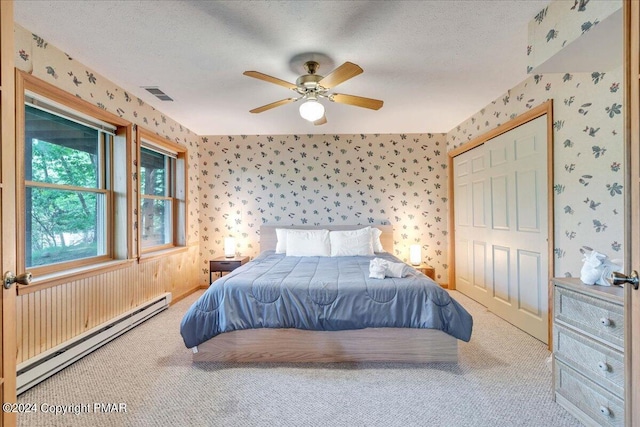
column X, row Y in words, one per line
column 275, row 309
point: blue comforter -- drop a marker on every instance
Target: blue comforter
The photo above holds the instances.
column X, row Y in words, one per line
column 321, row 293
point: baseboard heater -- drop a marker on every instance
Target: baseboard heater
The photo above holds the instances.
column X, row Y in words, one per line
column 41, row 367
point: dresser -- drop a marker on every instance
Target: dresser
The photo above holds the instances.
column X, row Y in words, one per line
column 588, row 351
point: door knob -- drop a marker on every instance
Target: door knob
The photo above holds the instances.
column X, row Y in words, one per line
column 10, row 279
column 620, row 279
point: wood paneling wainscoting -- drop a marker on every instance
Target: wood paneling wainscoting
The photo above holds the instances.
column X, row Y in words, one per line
column 49, row 317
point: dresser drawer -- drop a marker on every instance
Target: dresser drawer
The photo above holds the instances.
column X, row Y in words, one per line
column 592, row 400
column 594, row 316
column 598, row 362
column 224, row 265
column 220, row 265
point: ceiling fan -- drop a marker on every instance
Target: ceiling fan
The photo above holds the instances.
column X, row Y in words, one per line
column 312, row 87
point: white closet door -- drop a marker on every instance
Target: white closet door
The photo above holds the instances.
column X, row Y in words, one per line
column 470, row 226
column 500, row 191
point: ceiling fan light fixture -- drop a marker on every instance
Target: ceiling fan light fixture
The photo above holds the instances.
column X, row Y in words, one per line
column 311, row 110
column 311, row 86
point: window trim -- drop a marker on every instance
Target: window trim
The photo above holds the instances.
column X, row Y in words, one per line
column 178, row 183
column 42, row 103
column 116, row 251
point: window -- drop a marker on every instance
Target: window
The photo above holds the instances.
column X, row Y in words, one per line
column 73, row 162
column 162, row 168
column 66, row 188
column 156, row 193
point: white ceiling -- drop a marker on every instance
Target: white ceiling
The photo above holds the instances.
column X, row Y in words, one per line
column 434, row 63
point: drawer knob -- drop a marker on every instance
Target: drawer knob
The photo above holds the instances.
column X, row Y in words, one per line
column 605, row 321
column 605, row 411
column 604, row 366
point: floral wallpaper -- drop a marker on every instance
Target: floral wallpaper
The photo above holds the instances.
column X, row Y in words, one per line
column 588, row 157
column 36, row 56
column 237, row 183
column 399, row 179
column 588, row 133
column 319, row 179
column 562, row 22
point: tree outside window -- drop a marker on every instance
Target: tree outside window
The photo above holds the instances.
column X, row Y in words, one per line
column 162, row 180
column 156, row 218
column 66, row 191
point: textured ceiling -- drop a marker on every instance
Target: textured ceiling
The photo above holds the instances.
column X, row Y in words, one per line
column 434, row 63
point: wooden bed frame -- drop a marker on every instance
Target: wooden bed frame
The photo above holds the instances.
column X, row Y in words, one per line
column 406, row 345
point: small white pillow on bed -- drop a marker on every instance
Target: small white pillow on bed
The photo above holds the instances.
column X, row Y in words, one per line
column 375, row 240
column 281, row 244
column 351, row 242
column 308, row 243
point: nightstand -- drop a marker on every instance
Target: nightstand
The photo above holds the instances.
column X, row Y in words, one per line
column 223, row 264
column 427, row 270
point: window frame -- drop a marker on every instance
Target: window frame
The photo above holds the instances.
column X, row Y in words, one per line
column 176, row 184
column 117, row 192
column 102, row 185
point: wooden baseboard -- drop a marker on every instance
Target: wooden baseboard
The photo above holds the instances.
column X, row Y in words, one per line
column 184, row 295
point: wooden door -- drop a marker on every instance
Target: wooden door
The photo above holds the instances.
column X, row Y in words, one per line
column 632, row 258
column 7, row 211
column 501, row 230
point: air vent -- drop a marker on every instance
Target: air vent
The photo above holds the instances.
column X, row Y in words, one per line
column 157, row 93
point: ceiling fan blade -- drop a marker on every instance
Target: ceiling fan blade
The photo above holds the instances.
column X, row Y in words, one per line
column 273, row 105
column 270, row 79
column 340, row 74
column 358, row 101
column 322, row 120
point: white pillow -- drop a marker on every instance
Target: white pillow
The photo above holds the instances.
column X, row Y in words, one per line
column 308, row 243
column 375, row 240
column 351, row 242
column 281, row 244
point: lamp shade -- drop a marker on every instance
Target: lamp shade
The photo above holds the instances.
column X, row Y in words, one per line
column 311, row 110
column 229, row 247
column 415, row 254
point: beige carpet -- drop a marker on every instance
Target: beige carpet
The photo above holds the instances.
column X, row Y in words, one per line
column 502, row 380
